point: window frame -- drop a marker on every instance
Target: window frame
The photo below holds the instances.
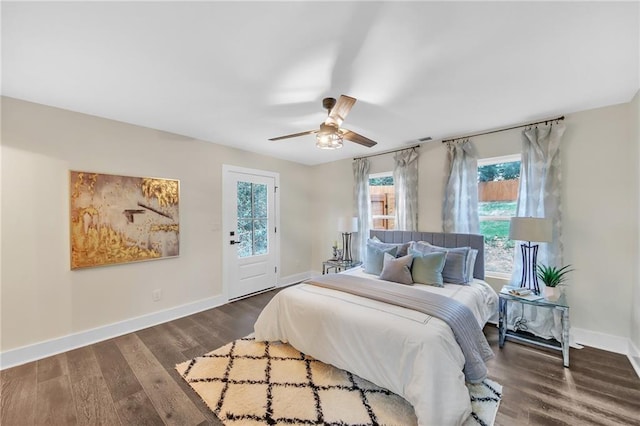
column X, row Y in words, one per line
column 381, row 216
column 510, row 158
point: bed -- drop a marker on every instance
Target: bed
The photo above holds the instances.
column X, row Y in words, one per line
column 411, row 353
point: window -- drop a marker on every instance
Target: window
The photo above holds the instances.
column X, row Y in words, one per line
column 252, row 219
column 498, row 180
column 383, row 200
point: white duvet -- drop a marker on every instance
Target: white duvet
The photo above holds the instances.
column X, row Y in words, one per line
column 408, row 352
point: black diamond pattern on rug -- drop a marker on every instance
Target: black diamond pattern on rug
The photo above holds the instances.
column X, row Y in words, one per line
column 248, row 382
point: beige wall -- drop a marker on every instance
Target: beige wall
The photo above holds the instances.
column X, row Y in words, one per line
column 41, row 298
column 601, row 218
column 600, row 196
column 332, row 189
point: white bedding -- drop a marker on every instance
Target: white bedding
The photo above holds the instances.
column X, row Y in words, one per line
column 408, row 352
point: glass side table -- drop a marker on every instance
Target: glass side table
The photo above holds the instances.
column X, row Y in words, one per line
column 559, row 304
column 338, row 265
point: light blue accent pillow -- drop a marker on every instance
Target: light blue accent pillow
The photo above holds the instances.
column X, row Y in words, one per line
column 455, row 266
column 397, row 270
column 427, row 267
column 374, row 261
column 403, row 248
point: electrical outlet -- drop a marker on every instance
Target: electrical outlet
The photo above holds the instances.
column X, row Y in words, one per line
column 156, row 295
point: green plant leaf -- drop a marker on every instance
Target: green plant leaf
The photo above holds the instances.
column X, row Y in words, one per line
column 552, row 276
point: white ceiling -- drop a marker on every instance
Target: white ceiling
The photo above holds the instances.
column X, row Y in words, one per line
column 239, row 73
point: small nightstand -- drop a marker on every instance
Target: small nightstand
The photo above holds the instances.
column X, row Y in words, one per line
column 338, row 265
column 559, row 304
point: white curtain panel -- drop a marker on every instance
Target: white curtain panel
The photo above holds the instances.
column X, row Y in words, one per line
column 460, row 209
column 405, row 182
column 363, row 206
column 539, row 190
column 539, row 196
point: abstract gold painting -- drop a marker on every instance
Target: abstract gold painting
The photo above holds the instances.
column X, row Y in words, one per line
column 121, row 219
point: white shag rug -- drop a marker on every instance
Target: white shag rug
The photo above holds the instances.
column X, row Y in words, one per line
column 256, row 383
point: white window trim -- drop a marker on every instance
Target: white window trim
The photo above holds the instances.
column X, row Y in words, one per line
column 383, row 216
column 499, row 275
column 380, row 175
column 499, row 160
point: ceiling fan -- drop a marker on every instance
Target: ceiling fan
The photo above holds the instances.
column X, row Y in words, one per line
column 330, row 135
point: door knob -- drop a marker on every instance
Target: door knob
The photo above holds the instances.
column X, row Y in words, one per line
column 234, row 242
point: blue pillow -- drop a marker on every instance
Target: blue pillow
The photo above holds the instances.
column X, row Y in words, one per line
column 427, row 267
column 403, row 248
column 374, row 260
column 455, row 266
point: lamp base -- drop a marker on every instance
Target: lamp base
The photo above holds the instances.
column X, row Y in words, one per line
column 346, row 246
column 529, row 267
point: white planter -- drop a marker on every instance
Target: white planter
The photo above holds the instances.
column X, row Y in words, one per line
column 551, row 293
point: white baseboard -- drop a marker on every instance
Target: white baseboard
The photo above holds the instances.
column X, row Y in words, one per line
column 595, row 339
column 295, row 278
column 24, row 354
column 36, row 351
column 609, row 342
column 634, row 357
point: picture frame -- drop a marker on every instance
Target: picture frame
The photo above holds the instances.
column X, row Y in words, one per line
column 118, row 219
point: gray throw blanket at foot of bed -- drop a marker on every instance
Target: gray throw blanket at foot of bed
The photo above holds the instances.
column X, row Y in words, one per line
column 463, row 323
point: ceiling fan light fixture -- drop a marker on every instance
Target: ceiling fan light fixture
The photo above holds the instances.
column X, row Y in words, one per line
column 329, row 140
column 329, row 137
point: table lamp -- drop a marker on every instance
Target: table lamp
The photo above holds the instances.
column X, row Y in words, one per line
column 347, row 226
column 530, row 229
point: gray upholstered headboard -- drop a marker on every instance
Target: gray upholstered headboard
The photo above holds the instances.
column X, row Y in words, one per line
column 438, row 239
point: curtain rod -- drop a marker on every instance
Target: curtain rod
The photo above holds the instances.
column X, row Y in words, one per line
column 504, row 130
column 387, row 152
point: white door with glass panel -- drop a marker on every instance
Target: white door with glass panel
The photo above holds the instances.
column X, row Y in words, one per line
column 250, row 248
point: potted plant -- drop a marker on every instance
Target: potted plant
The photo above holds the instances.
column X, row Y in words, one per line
column 553, row 277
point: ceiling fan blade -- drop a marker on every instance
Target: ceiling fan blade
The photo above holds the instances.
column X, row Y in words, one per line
column 355, row 137
column 341, row 109
column 294, row 135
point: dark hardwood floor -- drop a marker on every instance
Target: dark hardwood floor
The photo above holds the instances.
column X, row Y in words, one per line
column 130, row 380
